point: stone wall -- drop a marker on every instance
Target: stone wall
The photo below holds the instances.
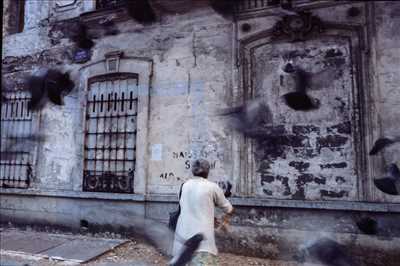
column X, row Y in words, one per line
column 271, row 232
column 5, row 17
column 384, row 58
column 313, row 174
column 189, row 52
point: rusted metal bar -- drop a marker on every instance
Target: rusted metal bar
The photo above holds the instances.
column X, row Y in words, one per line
column 16, row 123
column 110, row 134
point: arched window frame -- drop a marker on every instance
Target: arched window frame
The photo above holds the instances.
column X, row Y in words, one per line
column 142, row 67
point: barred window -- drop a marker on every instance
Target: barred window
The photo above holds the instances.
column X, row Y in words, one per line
column 16, row 162
column 110, row 137
column 16, row 16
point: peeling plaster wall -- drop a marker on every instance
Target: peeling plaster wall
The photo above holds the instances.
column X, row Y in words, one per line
column 314, row 157
column 38, row 11
column 196, row 72
column 6, row 16
column 199, row 65
column 195, row 75
column 387, row 75
column 284, row 231
column 190, row 54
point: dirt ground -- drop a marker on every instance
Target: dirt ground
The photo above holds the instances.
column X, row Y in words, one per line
column 133, row 250
column 132, row 253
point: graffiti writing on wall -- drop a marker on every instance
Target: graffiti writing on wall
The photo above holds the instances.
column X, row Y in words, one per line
column 169, row 176
column 209, row 152
column 189, row 156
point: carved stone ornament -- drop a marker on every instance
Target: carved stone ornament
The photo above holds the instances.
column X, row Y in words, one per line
column 61, row 3
column 112, row 60
column 297, row 27
column 65, row 5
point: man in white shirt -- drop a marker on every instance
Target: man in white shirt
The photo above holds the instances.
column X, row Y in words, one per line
column 198, row 200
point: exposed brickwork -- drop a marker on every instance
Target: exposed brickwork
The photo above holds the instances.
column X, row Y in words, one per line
column 305, row 157
column 300, row 166
column 305, row 129
column 331, row 141
column 333, row 165
column 305, row 143
column 342, row 128
column 47, row 58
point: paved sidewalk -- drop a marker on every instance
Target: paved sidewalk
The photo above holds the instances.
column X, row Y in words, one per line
column 73, row 249
column 31, row 248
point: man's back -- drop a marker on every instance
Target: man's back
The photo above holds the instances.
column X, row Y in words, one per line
column 199, row 196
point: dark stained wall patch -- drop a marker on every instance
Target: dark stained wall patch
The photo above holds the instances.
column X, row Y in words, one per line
column 296, row 157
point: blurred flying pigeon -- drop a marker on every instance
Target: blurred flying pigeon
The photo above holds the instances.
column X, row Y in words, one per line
column 162, row 237
column 382, row 143
column 367, row 225
column 249, row 117
column 228, row 189
column 329, row 252
column 298, row 100
column 7, row 90
column 3, row 99
column 286, row 4
column 80, row 36
column 22, row 138
column 19, row 144
column 141, row 11
column 390, row 184
column 224, row 7
column 188, row 249
column 48, row 85
column 110, row 28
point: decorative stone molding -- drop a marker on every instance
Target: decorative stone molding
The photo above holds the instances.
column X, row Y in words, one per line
column 66, row 5
column 142, row 67
column 254, row 8
column 292, row 30
column 298, row 26
column 112, row 61
column 96, row 17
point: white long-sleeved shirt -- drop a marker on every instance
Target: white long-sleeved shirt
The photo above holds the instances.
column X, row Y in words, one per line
column 198, row 200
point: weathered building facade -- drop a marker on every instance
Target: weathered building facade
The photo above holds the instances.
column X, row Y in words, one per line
column 148, row 100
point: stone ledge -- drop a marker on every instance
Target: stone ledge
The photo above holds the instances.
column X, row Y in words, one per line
column 72, row 194
column 236, row 201
column 325, row 205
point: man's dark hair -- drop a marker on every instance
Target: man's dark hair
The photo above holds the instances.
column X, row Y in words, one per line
column 201, row 167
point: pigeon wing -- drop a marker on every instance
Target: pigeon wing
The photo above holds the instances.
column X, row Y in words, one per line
column 386, row 185
column 394, row 171
column 380, row 144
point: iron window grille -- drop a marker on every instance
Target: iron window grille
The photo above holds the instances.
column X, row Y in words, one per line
column 110, row 134
column 16, row 162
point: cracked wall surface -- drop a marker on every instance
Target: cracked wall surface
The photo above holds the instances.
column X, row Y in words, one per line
column 310, row 173
column 195, row 74
column 312, row 156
